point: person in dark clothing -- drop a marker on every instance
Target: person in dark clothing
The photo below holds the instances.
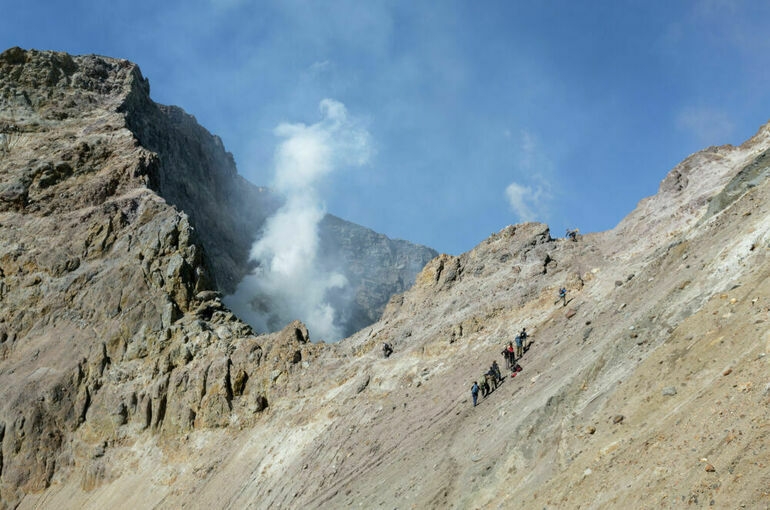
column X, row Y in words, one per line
column 475, row 392
column 496, row 371
column 510, row 357
column 491, row 380
column 524, row 335
column 506, row 357
column 387, row 350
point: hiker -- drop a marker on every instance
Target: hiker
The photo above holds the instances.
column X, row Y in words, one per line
column 519, row 346
column 507, row 352
column 572, row 234
column 524, row 335
column 511, row 356
column 475, row 392
column 387, row 350
column 491, row 380
column 563, row 296
column 485, row 390
column 496, row 371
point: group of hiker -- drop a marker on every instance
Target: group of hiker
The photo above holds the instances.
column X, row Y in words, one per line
column 489, row 381
column 492, row 377
column 512, row 354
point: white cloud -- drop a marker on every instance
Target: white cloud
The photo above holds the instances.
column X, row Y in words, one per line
column 709, row 126
column 319, row 66
column 288, row 283
column 527, row 202
column 530, row 202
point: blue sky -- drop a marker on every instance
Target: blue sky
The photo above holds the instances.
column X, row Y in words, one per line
column 480, row 113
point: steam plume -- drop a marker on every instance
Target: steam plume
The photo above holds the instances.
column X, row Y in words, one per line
column 288, row 282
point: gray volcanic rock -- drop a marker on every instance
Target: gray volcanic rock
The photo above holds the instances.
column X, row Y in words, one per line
column 375, row 266
column 199, row 177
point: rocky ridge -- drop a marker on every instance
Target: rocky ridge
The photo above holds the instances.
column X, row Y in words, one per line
column 121, row 221
column 648, row 390
column 199, row 177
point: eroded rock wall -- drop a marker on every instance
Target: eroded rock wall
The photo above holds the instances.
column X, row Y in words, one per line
column 110, row 326
column 121, row 221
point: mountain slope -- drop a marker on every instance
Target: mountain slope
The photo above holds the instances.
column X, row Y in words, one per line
column 648, row 390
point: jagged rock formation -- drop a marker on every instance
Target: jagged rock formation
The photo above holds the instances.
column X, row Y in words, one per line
column 110, row 324
column 193, row 172
column 649, row 389
column 199, row 177
column 113, row 290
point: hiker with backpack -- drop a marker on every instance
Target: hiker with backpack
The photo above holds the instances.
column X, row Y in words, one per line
column 496, row 370
column 491, row 378
column 572, row 234
column 524, row 335
column 519, row 346
column 562, row 296
column 485, row 390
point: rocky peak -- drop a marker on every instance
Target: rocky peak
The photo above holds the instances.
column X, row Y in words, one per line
column 120, row 222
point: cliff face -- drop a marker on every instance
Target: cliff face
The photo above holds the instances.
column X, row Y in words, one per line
column 199, row 177
column 375, row 266
column 125, row 383
column 105, row 290
column 120, row 219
